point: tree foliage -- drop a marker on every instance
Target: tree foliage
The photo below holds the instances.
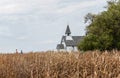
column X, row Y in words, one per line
column 103, row 31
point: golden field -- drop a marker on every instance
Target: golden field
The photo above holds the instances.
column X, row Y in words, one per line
column 61, row 65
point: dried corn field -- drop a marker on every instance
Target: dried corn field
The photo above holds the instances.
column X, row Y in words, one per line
column 60, row 65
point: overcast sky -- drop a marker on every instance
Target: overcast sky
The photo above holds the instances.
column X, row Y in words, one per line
column 38, row 25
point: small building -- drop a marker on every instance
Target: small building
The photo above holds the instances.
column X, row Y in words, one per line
column 69, row 42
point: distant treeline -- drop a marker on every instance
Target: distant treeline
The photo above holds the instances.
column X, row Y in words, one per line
column 103, row 31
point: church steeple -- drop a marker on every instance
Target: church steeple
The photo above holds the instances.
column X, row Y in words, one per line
column 68, row 32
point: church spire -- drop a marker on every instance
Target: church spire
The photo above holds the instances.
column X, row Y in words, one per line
column 68, row 32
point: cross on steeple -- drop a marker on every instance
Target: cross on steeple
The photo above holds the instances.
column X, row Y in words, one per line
column 68, row 32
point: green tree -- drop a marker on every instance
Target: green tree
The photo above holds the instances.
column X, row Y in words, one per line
column 103, row 31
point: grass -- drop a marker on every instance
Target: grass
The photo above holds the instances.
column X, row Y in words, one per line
column 61, row 65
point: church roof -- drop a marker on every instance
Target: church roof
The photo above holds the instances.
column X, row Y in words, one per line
column 60, row 46
column 68, row 30
column 70, row 43
column 74, row 42
column 77, row 39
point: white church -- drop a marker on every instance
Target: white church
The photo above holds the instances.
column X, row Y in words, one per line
column 69, row 42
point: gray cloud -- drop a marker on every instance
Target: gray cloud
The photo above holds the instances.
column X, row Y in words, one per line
column 39, row 24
